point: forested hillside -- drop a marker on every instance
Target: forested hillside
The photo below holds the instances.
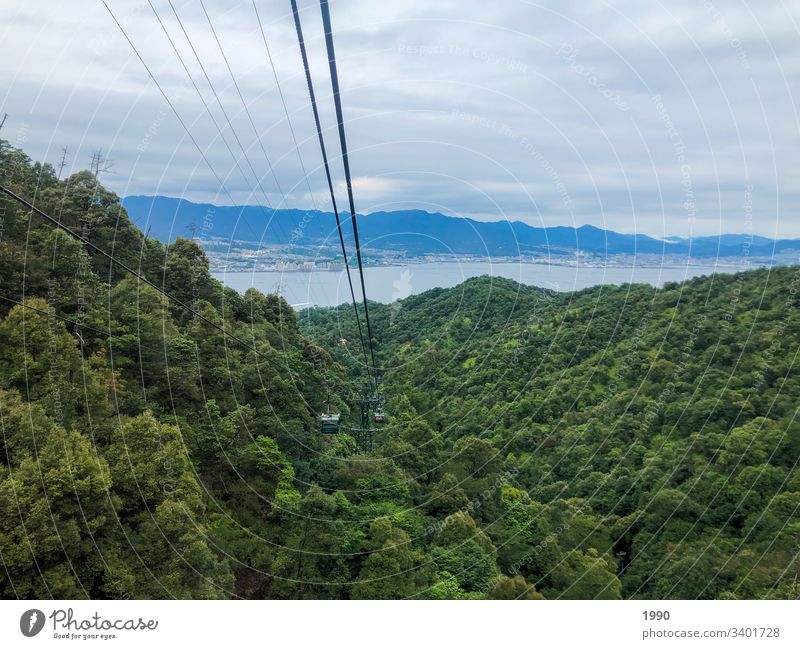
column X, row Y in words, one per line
column 143, row 454
column 616, row 442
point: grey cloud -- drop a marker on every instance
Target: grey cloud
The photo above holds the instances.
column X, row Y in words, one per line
column 542, row 112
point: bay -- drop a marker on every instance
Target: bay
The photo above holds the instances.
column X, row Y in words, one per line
column 389, row 283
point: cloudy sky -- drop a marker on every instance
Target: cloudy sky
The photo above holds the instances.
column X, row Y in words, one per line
column 667, row 118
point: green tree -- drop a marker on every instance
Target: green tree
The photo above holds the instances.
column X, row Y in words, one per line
column 515, row 587
column 464, row 551
column 393, row 570
column 56, row 520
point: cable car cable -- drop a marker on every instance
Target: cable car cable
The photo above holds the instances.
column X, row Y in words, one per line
column 227, row 117
column 169, row 103
column 244, row 103
column 181, row 120
column 312, row 97
column 211, row 115
column 285, row 109
column 326, row 21
column 214, row 173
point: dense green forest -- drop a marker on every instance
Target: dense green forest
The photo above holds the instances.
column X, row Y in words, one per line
column 617, row 442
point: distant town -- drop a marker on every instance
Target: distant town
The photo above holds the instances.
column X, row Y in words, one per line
column 245, row 256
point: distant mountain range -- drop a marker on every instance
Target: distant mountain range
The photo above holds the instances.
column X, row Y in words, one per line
column 417, row 232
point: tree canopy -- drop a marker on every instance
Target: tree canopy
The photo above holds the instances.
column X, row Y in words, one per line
column 616, row 442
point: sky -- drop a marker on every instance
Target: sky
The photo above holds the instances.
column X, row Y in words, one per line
column 671, row 118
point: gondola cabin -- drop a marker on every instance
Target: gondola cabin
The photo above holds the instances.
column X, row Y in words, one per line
column 379, row 417
column 330, row 423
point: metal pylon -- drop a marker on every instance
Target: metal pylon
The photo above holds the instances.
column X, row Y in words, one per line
column 365, row 434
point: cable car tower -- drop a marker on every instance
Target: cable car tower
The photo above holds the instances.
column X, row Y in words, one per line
column 370, row 404
column 366, row 433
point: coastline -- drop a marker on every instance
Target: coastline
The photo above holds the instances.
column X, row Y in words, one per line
column 700, row 263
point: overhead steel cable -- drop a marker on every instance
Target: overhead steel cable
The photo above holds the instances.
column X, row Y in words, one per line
column 244, row 103
column 78, row 325
column 175, row 112
column 188, row 134
column 181, row 121
column 214, row 120
column 283, row 199
column 216, row 97
column 169, row 103
column 326, row 22
column 312, row 97
column 227, row 118
column 202, row 99
column 285, row 109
